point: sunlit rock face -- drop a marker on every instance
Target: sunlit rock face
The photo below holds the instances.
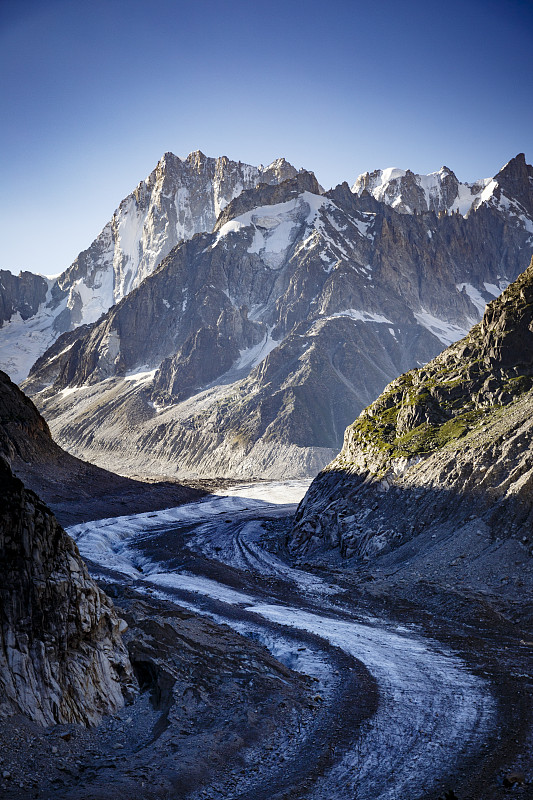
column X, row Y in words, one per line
column 61, row 654
column 180, row 198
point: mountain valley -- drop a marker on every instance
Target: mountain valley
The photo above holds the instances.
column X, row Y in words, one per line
column 217, row 620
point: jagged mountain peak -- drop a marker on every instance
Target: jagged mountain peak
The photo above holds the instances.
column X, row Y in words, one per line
column 409, row 192
column 169, row 157
column 199, row 162
column 291, row 314
column 515, row 180
column 196, row 157
column 280, row 164
column 441, row 192
column 180, row 198
column 516, row 164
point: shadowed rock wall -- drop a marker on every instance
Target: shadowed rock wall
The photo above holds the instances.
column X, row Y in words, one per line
column 61, row 655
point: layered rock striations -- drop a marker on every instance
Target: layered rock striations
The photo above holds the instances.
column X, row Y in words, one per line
column 435, row 477
column 61, row 654
column 180, row 198
column 249, row 349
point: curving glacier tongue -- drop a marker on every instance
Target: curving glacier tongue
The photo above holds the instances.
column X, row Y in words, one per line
column 432, row 711
column 430, row 708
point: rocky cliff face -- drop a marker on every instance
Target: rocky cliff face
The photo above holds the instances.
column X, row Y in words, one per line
column 61, row 655
column 177, row 200
column 21, row 294
column 434, row 478
column 23, row 299
column 250, row 349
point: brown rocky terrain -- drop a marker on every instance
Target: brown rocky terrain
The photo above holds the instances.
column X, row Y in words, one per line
column 214, row 712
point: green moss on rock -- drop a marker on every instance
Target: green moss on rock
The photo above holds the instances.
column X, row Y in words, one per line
column 426, row 409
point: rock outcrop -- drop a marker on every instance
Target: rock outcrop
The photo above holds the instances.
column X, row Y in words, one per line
column 435, row 476
column 61, row 654
column 249, row 350
column 21, row 294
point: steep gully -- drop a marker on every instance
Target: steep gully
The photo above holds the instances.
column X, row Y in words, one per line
column 433, row 716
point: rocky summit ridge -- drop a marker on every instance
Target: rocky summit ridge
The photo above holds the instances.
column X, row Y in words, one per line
column 434, row 479
column 250, row 348
column 442, row 193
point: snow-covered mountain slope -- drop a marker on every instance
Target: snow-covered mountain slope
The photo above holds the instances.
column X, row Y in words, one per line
column 251, row 348
column 441, row 192
column 25, row 320
column 177, row 200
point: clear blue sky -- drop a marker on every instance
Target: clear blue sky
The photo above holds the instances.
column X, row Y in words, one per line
column 93, row 93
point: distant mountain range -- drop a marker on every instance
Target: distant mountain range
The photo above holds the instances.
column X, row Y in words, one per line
column 245, row 350
column 439, row 192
